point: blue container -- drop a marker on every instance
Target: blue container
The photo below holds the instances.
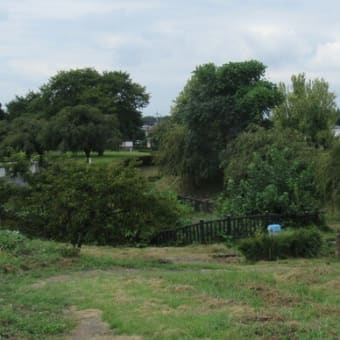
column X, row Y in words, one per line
column 274, row 228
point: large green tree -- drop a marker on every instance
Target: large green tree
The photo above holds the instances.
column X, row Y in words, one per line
column 25, row 133
column 83, row 128
column 113, row 93
column 270, row 170
column 31, row 104
column 338, row 116
column 309, row 107
column 275, row 181
column 216, row 104
column 329, row 176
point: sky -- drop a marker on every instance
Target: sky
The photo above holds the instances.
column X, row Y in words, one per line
column 159, row 43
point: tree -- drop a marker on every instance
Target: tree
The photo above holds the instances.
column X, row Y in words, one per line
column 216, row 104
column 170, row 137
column 338, row 116
column 276, row 182
column 328, row 173
column 25, row 133
column 105, row 205
column 83, row 128
column 239, row 153
column 113, row 93
column 31, row 104
column 308, row 107
column 125, row 98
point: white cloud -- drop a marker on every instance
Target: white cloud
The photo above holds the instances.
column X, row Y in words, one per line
column 161, row 42
column 327, row 57
column 114, row 41
column 70, row 9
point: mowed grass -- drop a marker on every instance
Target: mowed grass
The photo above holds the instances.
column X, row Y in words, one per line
column 108, row 157
column 171, row 293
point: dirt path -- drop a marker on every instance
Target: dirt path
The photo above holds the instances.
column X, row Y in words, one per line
column 81, row 274
column 91, row 326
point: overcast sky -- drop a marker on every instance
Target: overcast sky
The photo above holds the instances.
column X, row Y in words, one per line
column 159, row 43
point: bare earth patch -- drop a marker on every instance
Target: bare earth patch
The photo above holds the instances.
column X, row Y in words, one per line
column 81, row 274
column 91, row 326
column 210, row 253
column 309, row 275
column 273, row 297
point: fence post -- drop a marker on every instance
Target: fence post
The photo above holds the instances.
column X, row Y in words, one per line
column 337, row 245
column 229, row 232
column 202, row 230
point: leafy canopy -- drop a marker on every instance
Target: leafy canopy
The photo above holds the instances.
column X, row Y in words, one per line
column 216, row 104
column 275, row 181
column 105, row 205
column 79, row 109
column 309, row 107
column 83, row 128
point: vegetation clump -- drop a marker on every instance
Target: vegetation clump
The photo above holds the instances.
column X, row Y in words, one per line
column 18, row 253
column 102, row 205
column 303, row 242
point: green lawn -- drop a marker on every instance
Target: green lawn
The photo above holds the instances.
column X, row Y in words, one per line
column 108, row 157
column 168, row 293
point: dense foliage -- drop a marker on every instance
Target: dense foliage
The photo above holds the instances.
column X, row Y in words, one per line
column 329, row 176
column 99, row 95
column 83, row 128
column 216, row 104
column 20, row 254
column 304, row 242
column 272, row 148
column 102, row 205
column 276, row 182
column 310, row 108
column 270, row 170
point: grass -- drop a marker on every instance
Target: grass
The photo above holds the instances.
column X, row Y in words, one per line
column 109, row 157
column 167, row 293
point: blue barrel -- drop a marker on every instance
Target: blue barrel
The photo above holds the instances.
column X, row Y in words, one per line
column 274, row 228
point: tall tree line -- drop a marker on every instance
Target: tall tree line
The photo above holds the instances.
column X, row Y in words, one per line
column 78, row 110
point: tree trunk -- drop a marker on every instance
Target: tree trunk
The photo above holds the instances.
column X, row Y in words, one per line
column 87, row 153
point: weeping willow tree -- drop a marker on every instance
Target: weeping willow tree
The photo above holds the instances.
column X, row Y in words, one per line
column 308, row 107
column 329, row 176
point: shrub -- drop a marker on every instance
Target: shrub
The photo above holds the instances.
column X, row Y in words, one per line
column 146, row 160
column 11, row 240
column 95, row 205
column 274, row 179
column 19, row 254
column 305, row 242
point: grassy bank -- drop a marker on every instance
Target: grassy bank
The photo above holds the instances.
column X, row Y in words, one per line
column 167, row 293
column 109, row 157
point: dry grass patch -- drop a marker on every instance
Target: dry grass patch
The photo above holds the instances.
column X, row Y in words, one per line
column 333, row 285
column 307, row 275
column 187, row 254
column 273, row 297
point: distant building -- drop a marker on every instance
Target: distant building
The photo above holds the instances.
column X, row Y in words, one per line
column 147, row 130
column 127, row 145
column 337, row 131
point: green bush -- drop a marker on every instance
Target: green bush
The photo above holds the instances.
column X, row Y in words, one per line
column 305, row 242
column 98, row 205
column 276, row 180
column 11, row 240
column 146, row 160
column 20, row 254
